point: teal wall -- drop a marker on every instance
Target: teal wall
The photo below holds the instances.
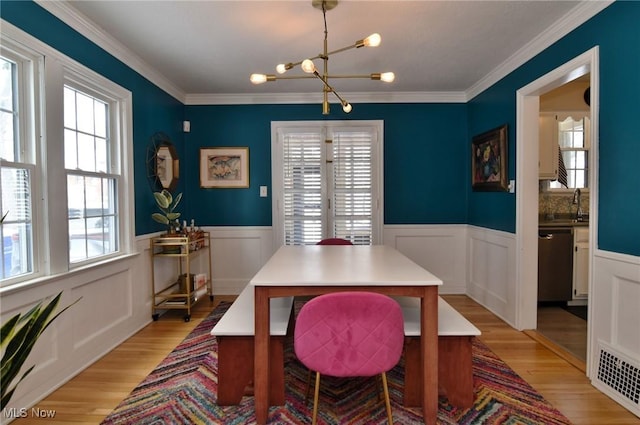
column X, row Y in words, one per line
column 616, row 30
column 424, row 171
column 427, row 146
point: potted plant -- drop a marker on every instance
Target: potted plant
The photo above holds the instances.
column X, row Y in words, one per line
column 167, row 204
column 19, row 335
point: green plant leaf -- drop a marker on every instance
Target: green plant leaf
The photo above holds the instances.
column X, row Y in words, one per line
column 176, row 201
column 168, row 196
column 8, row 329
column 173, row 216
column 161, row 200
column 160, row 218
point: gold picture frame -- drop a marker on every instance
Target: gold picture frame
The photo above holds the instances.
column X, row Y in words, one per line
column 224, row 167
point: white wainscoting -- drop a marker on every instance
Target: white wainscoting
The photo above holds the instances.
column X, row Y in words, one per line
column 441, row 249
column 491, row 271
column 113, row 305
column 237, row 255
column 614, row 303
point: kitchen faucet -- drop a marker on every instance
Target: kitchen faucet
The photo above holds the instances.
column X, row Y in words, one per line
column 576, row 201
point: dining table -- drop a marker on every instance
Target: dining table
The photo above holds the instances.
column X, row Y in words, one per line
column 310, row 270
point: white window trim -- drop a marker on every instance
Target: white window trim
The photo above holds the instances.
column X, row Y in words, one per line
column 51, row 206
column 277, row 177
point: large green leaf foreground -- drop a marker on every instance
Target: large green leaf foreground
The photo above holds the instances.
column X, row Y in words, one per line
column 19, row 335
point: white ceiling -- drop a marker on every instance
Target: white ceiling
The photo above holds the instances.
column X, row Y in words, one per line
column 211, row 47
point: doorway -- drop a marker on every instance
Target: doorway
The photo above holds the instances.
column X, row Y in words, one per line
column 563, row 213
column 528, row 109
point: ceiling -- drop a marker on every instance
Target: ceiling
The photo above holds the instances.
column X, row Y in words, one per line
column 211, row 47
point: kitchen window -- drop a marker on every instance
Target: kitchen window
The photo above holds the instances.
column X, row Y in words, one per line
column 327, row 181
column 574, row 141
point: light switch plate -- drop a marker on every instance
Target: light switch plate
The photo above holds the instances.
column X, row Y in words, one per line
column 263, row 191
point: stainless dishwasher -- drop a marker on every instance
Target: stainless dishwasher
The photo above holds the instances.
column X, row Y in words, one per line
column 555, row 263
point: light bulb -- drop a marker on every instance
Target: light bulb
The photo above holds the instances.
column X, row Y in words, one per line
column 387, row 77
column 346, row 107
column 373, row 40
column 281, row 68
column 308, row 66
column 258, row 78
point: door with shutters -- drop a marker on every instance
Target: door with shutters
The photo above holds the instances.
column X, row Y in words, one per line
column 327, row 181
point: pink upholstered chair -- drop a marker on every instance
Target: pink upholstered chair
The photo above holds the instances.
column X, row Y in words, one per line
column 347, row 334
column 334, row 241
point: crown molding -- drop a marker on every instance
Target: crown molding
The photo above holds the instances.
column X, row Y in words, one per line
column 90, row 30
column 571, row 20
column 304, row 98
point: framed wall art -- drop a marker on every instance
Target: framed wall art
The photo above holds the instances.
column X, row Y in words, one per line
column 489, row 160
column 224, row 167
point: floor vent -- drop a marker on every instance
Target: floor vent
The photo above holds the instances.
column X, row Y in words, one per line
column 620, row 374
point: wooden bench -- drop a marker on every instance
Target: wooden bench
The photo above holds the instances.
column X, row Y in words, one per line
column 455, row 361
column 235, row 334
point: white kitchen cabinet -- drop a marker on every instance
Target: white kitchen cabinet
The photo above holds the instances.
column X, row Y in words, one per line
column 580, row 263
column 548, row 147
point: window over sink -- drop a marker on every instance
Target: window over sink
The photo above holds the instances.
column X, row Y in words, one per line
column 574, row 141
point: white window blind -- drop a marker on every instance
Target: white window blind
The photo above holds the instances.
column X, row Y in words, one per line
column 326, row 183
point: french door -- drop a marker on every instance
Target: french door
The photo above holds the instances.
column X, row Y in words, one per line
column 327, row 181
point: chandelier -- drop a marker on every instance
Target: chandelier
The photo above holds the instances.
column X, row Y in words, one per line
column 309, row 67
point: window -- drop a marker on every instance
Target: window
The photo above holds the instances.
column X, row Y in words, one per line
column 91, row 189
column 573, row 138
column 65, row 179
column 17, row 169
column 327, row 182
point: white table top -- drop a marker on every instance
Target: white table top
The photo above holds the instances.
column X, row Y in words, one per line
column 331, row 265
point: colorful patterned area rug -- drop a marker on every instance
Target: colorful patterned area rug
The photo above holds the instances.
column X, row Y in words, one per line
column 183, row 388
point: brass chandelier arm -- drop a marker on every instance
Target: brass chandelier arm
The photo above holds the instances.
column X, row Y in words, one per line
column 359, row 43
column 346, row 106
column 272, row 77
column 289, row 77
column 311, row 71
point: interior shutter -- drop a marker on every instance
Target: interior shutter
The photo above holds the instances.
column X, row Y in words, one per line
column 303, row 189
column 352, row 186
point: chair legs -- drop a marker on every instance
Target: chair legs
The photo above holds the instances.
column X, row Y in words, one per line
column 316, row 396
column 387, row 402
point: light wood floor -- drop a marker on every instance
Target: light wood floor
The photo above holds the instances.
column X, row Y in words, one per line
column 564, row 329
column 90, row 396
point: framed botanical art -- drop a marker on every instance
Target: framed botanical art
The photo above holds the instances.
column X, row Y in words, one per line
column 489, row 160
column 224, row 167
